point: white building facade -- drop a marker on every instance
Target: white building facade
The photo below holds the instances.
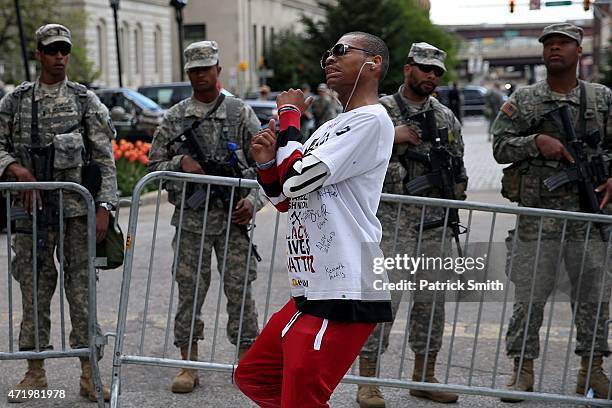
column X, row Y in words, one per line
column 144, row 39
column 244, row 30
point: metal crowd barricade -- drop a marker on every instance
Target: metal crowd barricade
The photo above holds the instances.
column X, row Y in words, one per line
column 472, row 342
column 7, row 189
column 137, row 353
column 470, row 361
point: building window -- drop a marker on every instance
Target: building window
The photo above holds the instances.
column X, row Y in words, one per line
column 125, row 58
column 138, row 51
column 157, row 44
column 193, row 33
column 255, row 55
column 102, row 59
column 264, row 43
column 271, row 47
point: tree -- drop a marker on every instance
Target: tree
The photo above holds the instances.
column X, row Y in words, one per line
column 398, row 22
column 34, row 14
column 287, row 60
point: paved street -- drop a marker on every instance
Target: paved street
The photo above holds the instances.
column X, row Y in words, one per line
column 149, row 386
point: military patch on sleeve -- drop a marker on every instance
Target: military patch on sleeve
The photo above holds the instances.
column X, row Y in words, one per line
column 111, row 126
column 509, row 109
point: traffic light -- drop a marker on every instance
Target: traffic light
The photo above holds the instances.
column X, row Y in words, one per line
column 586, row 4
column 512, row 6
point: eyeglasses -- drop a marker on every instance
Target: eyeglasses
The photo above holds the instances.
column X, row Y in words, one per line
column 53, row 48
column 339, row 50
column 428, row 68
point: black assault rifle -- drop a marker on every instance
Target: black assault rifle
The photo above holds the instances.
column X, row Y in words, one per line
column 445, row 173
column 47, row 218
column 231, row 167
column 588, row 174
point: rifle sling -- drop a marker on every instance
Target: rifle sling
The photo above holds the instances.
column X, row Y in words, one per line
column 34, row 135
column 583, row 103
column 401, row 105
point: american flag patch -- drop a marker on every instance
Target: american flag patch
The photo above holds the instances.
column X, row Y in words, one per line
column 509, row 109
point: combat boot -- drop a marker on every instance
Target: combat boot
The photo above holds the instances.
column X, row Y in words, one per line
column 35, row 379
column 417, row 375
column 597, row 381
column 522, row 381
column 186, row 380
column 369, row 396
column 87, row 388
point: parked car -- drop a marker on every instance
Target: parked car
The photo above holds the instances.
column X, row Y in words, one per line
column 134, row 115
column 473, row 98
column 168, row 95
column 265, row 110
column 255, row 94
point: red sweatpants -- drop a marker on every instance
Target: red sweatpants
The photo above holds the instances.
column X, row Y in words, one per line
column 303, row 367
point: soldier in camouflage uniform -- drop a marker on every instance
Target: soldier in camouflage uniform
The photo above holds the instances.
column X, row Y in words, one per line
column 230, row 121
column 72, row 120
column 528, row 135
column 422, row 72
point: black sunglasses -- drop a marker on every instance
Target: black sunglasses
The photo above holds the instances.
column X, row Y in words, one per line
column 339, row 50
column 428, row 68
column 53, row 48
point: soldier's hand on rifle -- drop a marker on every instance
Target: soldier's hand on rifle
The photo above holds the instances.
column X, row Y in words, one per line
column 189, row 165
column 294, row 97
column 101, row 223
column 263, row 144
column 243, row 212
column 405, row 134
column 22, row 174
column 552, row 148
column 607, row 187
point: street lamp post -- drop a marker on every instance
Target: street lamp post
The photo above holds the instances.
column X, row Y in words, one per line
column 115, row 6
column 24, row 54
column 179, row 5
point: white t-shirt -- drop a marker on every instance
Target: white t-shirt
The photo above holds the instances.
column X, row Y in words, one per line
column 333, row 233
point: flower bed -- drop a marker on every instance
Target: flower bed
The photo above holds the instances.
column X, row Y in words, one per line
column 131, row 160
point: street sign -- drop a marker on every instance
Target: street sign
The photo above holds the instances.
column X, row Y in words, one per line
column 558, row 3
column 534, row 4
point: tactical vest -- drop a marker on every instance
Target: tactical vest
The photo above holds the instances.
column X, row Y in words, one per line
column 523, row 181
column 215, row 131
column 18, row 143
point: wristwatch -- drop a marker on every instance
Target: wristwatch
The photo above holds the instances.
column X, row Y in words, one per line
column 107, row 206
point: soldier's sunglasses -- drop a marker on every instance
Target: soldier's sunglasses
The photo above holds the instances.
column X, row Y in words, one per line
column 339, row 50
column 53, row 48
column 428, row 68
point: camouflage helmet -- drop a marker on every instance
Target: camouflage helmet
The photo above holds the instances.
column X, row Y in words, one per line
column 51, row 33
column 201, row 54
column 427, row 54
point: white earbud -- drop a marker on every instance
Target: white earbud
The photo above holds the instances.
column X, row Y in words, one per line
column 373, row 65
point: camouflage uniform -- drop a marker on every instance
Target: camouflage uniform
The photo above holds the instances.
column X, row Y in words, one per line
column 233, row 121
column 323, row 107
column 60, row 107
column 520, row 120
column 407, row 225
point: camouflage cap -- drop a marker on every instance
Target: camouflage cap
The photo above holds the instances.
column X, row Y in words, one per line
column 427, row 54
column 51, row 33
column 201, row 54
column 566, row 29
